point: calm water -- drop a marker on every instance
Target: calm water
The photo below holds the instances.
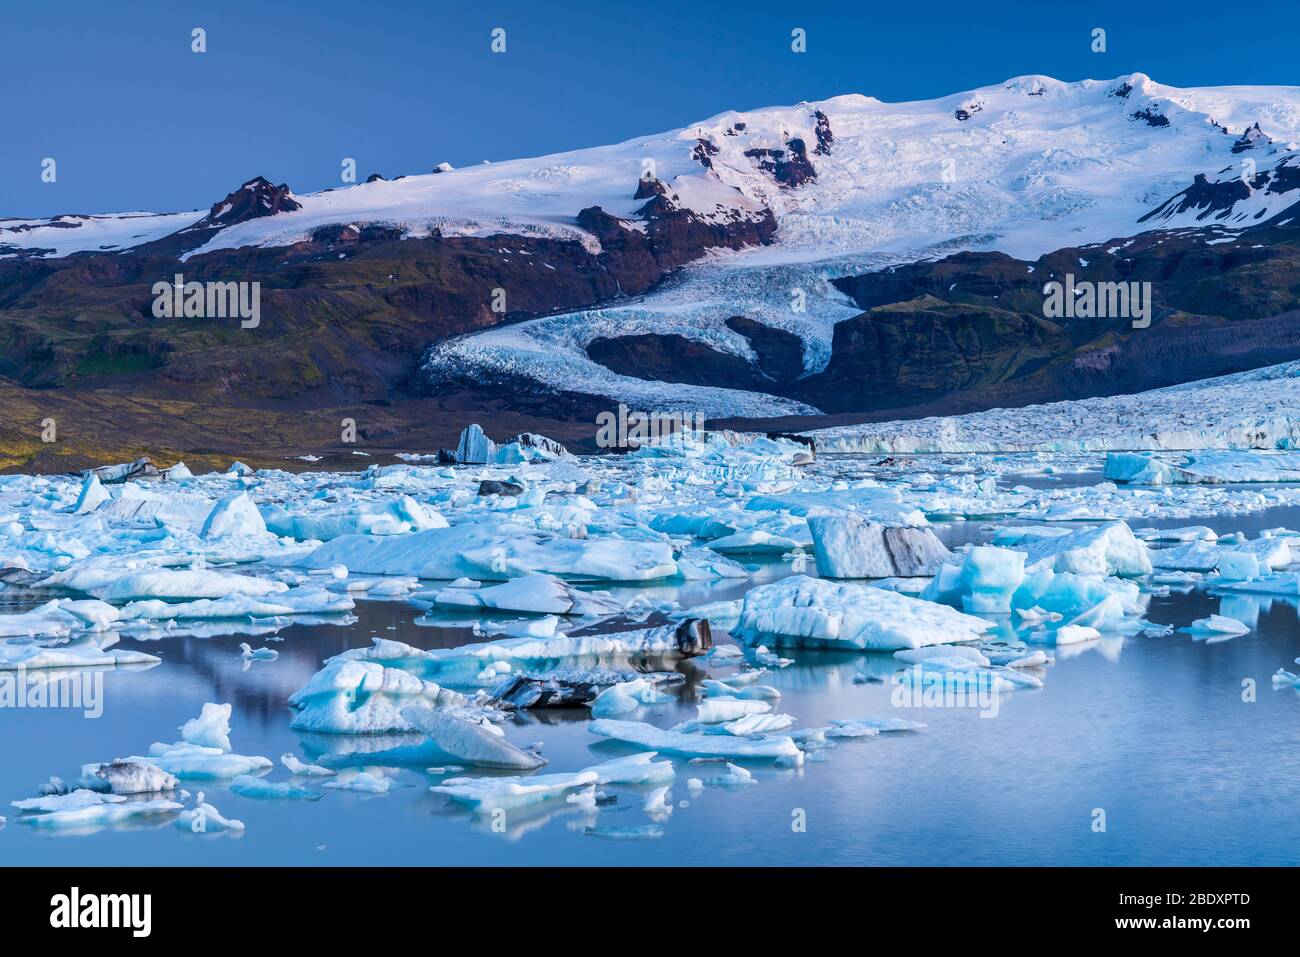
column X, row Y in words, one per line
column 1152, row 730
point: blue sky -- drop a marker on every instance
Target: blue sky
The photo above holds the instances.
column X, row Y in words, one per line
column 135, row 120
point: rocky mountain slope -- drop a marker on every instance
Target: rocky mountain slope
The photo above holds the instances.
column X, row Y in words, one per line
column 848, row 257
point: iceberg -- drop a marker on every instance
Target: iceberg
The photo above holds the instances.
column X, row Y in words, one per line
column 351, row 695
column 849, row 546
column 496, row 552
column 1109, row 549
column 1218, row 626
column 100, row 815
column 211, row 729
column 490, row 794
column 85, row 651
column 233, row 515
column 480, row 742
column 195, row 762
column 625, row 698
column 72, row 801
column 253, row 787
column 533, row 594
column 810, row 611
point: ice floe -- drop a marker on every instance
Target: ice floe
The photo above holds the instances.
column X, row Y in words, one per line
column 810, row 611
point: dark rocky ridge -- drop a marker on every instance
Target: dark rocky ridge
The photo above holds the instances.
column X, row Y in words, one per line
column 345, row 318
column 968, row 332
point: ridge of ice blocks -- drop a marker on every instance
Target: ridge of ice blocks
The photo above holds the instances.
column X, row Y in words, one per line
column 810, row 611
column 697, row 745
column 475, row 448
column 532, row 594
column 869, row 727
column 303, row 600
column 58, row 618
column 1287, row 583
column 323, row 521
column 993, row 580
column 496, row 552
column 168, row 584
column 85, row 651
column 1203, row 468
column 477, row 742
column 72, row 801
column 491, row 794
column 850, row 546
column 100, row 815
column 343, row 697
column 1109, row 549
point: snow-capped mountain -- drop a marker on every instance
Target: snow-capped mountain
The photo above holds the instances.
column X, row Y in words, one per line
column 763, row 209
column 1052, row 161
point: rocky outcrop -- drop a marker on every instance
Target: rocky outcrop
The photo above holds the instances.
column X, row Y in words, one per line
column 674, row 358
column 673, row 235
column 1150, row 116
column 969, row 331
column 789, row 167
column 253, row 200
column 703, row 153
column 1252, row 138
column 1216, row 200
column 823, row 133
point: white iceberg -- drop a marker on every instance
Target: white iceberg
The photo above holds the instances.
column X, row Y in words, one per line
column 801, row 610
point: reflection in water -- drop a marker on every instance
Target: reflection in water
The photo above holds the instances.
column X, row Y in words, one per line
column 1159, row 731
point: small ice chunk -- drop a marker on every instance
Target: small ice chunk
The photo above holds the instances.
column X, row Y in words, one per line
column 1218, row 625
column 233, row 515
column 626, row 697
column 71, row 801
column 211, row 729
column 203, row 818
column 100, row 815
column 1075, row 634
column 707, row 745
column 715, row 710
column 643, row 833
column 367, row 782
column 296, row 766
column 475, row 742
column 252, row 787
